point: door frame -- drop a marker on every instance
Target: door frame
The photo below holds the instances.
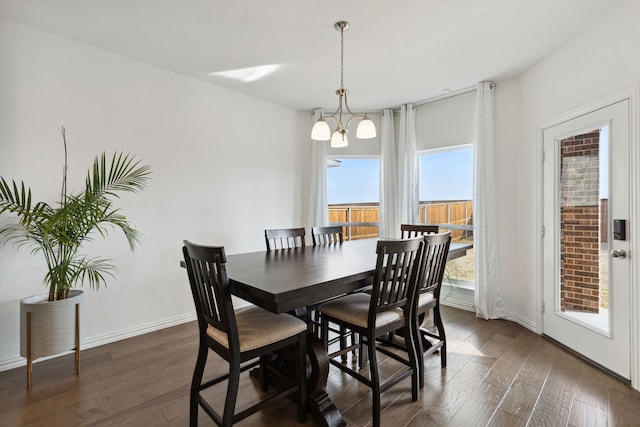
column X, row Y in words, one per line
column 633, row 95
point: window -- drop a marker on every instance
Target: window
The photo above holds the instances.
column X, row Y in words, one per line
column 446, row 192
column 353, row 195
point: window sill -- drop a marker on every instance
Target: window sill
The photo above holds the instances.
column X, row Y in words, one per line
column 459, row 284
column 458, row 295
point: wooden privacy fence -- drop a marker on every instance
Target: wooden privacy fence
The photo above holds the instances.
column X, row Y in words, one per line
column 457, row 213
column 357, row 213
column 366, row 216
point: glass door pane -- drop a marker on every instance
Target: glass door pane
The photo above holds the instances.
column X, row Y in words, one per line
column 584, row 234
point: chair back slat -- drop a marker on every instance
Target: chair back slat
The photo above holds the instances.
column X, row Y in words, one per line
column 327, row 235
column 284, row 238
column 409, row 231
column 434, row 257
column 210, row 289
column 396, row 275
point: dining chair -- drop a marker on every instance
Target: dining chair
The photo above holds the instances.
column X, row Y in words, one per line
column 434, row 259
column 371, row 315
column 284, row 238
column 327, row 235
column 330, row 235
column 241, row 337
column 408, row 231
column 414, row 230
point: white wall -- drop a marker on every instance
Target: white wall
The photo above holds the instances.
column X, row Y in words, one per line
column 225, row 167
column 600, row 62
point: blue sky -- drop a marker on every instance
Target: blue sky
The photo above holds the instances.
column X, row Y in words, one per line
column 446, row 175
column 355, row 181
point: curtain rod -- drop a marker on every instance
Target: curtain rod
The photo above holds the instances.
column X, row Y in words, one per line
column 451, row 94
column 442, row 97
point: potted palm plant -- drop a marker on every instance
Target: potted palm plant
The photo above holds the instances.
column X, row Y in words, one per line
column 50, row 322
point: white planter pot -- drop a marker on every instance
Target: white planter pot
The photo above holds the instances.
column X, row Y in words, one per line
column 52, row 324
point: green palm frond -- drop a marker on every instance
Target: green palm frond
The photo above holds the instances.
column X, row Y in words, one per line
column 15, row 199
column 83, row 270
column 59, row 232
column 124, row 174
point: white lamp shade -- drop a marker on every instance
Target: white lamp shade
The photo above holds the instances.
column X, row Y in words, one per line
column 366, row 129
column 321, row 131
column 339, row 140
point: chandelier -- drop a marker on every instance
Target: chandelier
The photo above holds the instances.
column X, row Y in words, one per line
column 321, row 131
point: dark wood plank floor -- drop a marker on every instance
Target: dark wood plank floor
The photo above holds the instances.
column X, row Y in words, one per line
column 499, row 374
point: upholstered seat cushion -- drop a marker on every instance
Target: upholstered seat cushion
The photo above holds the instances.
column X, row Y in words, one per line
column 258, row 327
column 424, row 299
column 354, row 309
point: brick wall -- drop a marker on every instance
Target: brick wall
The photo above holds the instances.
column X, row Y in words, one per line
column 580, row 219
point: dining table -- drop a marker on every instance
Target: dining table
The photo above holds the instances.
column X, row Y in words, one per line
column 290, row 280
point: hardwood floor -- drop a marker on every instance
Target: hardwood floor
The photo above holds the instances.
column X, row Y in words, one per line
column 498, row 374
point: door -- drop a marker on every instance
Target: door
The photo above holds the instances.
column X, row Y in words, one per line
column 586, row 267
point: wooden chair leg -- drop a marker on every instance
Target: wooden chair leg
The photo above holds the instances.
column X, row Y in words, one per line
column 414, row 359
column 441, row 334
column 324, row 332
column 354, row 342
column 194, row 397
column 375, row 381
column 417, row 344
column 363, row 353
column 264, row 378
column 232, row 393
column 343, row 343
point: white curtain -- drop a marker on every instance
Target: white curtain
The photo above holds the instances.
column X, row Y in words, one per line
column 407, row 167
column 488, row 292
column 389, row 222
column 318, row 204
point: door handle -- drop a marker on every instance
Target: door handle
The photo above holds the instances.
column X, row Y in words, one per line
column 618, row 253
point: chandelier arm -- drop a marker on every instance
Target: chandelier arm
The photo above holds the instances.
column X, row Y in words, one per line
column 346, row 104
column 334, row 115
column 351, row 118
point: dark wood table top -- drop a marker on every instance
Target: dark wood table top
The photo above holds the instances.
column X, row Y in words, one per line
column 283, row 280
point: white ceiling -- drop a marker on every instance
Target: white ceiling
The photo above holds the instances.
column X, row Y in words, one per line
column 395, row 51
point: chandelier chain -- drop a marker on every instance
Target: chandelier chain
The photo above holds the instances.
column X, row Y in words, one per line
column 341, row 57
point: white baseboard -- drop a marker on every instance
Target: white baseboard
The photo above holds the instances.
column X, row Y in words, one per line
column 16, row 362
column 462, row 298
column 11, row 363
column 461, row 305
column 137, row 330
column 525, row 323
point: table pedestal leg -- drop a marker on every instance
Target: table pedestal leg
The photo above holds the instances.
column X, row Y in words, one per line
column 321, row 408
